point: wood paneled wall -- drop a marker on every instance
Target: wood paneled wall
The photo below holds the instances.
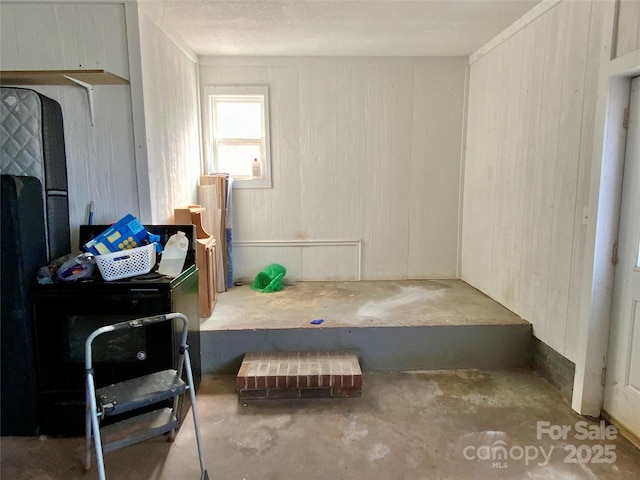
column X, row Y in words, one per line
column 362, row 149
column 172, row 128
column 528, row 161
column 100, row 158
column 64, row 36
column 628, row 34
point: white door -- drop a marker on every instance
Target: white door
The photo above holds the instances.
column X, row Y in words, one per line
column 622, row 390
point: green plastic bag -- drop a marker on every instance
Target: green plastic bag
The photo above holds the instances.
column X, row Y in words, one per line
column 269, row 279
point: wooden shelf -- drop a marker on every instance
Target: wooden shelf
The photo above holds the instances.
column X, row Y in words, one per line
column 86, row 79
column 59, row 77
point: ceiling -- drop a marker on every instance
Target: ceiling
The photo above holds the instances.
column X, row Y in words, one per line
column 335, row 27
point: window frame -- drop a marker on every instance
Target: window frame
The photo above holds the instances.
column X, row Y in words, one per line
column 210, row 141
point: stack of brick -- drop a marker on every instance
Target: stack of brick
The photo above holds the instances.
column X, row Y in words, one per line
column 299, row 375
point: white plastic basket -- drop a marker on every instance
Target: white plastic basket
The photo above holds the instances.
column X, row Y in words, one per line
column 127, row 263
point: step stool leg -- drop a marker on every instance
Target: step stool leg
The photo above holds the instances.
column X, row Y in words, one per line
column 87, row 423
column 95, row 427
column 194, row 410
column 176, row 407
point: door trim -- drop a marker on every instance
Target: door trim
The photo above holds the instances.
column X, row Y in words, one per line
column 614, row 88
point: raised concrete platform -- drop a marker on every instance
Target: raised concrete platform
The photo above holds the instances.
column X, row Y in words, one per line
column 390, row 325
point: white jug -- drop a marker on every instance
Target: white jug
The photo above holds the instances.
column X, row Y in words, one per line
column 174, row 254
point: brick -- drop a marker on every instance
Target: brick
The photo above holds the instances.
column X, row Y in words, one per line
column 304, row 368
column 241, row 383
column 292, row 374
column 272, row 370
column 316, row 393
column 346, row 392
column 303, row 381
column 272, row 381
column 325, row 367
column 284, row 393
column 244, row 369
column 252, row 394
column 314, row 368
column 263, row 369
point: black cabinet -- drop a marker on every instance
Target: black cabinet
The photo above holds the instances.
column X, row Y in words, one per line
column 65, row 314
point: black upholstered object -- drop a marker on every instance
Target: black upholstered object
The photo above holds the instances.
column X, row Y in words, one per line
column 32, row 144
column 23, row 251
column 34, row 230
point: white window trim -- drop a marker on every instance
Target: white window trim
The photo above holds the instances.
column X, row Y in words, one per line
column 265, row 181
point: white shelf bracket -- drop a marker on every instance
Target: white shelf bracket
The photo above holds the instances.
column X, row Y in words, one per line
column 89, row 89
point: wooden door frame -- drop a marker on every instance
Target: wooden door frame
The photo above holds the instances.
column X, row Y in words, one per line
column 614, row 89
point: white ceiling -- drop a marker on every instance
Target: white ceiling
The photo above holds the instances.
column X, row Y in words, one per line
column 335, row 27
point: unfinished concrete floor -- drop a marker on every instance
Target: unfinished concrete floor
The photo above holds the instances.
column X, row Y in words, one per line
column 406, row 303
column 418, row 425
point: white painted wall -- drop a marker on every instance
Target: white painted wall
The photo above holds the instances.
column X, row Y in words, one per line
column 362, row 149
column 172, row 128
column 529, row 153
column 628, row 34
column 100, row 159
column 63, row 36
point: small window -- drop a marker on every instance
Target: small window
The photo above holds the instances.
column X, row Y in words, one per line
column 238, row 134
